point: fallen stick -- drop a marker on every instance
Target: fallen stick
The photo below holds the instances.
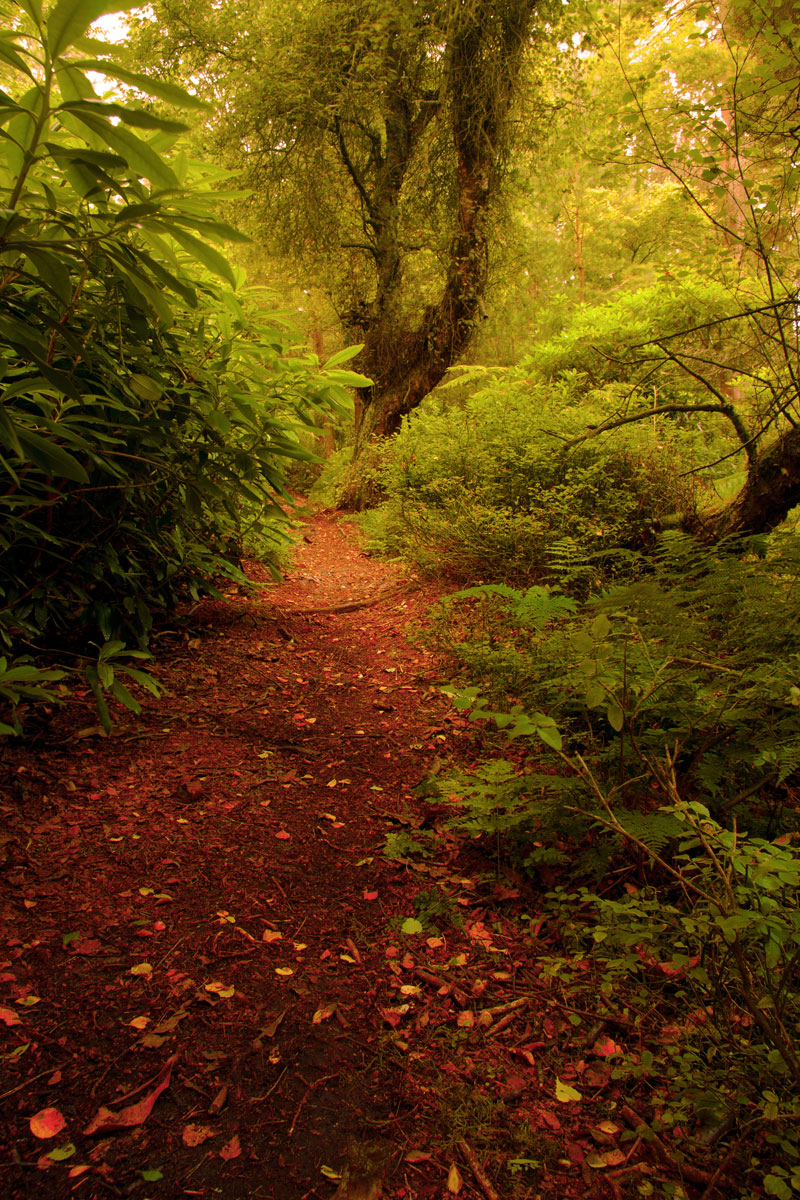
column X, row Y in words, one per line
column 692, row 1173
column 477, row 1170
column 346, row 606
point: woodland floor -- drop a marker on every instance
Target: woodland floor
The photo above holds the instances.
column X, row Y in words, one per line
column 205, row 988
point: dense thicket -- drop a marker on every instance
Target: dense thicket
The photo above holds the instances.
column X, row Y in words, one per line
column 148, row 411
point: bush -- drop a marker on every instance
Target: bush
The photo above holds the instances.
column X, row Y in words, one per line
column 149, row 407
column 484, row 489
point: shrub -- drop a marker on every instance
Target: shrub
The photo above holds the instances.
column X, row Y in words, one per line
column 484, row 490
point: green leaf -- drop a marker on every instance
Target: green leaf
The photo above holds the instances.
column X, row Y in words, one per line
column 139, row 156
column 616, row 717
column 343, row 356
column 550, row 737
column 411, row 925
column 205, row 254
column 121, row 693
column 70, row 18
column 565, row 1093
column 51, row 457
column 169, row 92
column 61, row 1153
column 775, row 1186
column 152, row 1176
column 33, row 8
column 137, row 117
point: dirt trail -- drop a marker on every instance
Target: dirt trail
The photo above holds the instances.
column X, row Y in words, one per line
column 143, row 873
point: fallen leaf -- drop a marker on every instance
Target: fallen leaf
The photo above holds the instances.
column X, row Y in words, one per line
column 370, row 895
column 465, row 1019
column 283, row 836
column 9, row 1017
column 284, row 971
column 195, row 1135
column 224, row 990
column 322, row 1014
column 454, row 1180
column 61, row 1153
column 140, row 1022
column 411, row 925
column 550, row 1119
column 565, row 1093
column 231, row 1149
column 271, row 935
column 604, row 1046
column 417, row 1156
column 47, row 1123
column 143, row 968
column 107, row 1121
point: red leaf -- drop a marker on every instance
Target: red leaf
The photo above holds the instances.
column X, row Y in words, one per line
column 231, row 1149
column 47, row 1123
column 106, row 1121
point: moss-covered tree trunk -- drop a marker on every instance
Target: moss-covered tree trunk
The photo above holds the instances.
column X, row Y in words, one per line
column 407, row 357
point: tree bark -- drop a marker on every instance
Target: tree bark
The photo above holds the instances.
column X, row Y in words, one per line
column 484, row 55
column 770, row 492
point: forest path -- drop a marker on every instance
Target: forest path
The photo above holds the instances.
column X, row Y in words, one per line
column 198, row 905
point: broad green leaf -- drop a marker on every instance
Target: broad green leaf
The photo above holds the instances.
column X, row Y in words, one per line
column 139, row 156
column 349, row 379
column 205, row 254
column 343, row 356
column 71, row 18
column 550, row 736
column 33, row 8
column 53, row 272
column 72, row 83
column 51, row 457
column 138, row 117
column 169, row 92
column 10, row 55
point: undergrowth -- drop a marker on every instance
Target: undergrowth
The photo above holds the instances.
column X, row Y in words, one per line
column 646, row 782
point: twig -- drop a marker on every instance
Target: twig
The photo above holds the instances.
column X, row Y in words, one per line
column 25, row 1084
column 311, row 1088
column 347, row 606
column 477, row 1170
column 686, row 1170
column 510, row 1005
column 267, row 1094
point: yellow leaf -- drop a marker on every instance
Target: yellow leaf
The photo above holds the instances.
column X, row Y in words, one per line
column 142, row 969
column 284, row 971
column 323, row 1013
column 565, row 1093
column 454, row 1180
column 220, row 989
column 140, row 1022
column 271, row 935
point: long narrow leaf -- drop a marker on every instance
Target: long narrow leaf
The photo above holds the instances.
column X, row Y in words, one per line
column 170, row 92
column 70, row 18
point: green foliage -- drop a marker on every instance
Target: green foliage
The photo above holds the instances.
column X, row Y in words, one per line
column 481, row 489
column 148, row 411
column 678, row 684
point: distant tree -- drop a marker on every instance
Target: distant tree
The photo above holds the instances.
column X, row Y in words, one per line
column 713, row 106
column 376, row 135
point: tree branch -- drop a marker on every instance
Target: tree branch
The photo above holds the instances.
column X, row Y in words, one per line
column 726, row 410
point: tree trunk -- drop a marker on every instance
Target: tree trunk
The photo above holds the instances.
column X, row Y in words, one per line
column 770, row 492
column 484, row 54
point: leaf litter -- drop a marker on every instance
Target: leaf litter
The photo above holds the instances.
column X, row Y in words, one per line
column 364, row 1039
